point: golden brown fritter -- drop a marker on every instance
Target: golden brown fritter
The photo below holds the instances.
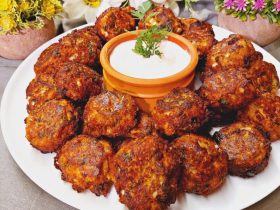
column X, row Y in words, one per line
column 204, row 164
column 50, row 126
column 264, row 77
column 265, row 112
column 41, row 89
column 163, row 18
column 110, row 114
column 247, row 148
column 228, row 90
column 144, row 127
column 200, row 34
column 145, row 174
column 114, row 21
column 232, row 52
column 77, row 81
column 180, row 111
column 81, row 46
column 84, row 162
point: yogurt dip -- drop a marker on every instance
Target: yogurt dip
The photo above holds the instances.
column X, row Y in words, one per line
column 173, row 60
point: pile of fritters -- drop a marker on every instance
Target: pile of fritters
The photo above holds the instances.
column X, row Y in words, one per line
column 102, row 138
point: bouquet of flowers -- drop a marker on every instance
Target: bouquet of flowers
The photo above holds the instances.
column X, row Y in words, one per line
column 248, row 9
column 21, row 14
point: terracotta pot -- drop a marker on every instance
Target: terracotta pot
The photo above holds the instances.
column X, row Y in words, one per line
column 259, row 31
column 20, row 45
column 147, row 91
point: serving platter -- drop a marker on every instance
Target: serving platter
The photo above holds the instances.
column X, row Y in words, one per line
column 237, row 193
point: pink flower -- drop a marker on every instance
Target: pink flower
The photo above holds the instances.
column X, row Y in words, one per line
column 229, row 4
column 241, row 5
column 259, row 5
column 277, row 6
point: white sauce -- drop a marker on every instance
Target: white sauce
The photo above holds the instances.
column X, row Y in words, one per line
column 173, row 60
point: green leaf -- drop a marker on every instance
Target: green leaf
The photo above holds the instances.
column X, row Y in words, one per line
column 142, row 9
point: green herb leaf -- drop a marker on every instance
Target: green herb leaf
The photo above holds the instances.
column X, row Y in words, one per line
column 142, row 9
column 223, row 101
column 148, row 42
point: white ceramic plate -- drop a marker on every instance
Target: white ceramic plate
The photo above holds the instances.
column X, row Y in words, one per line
column 237, row 193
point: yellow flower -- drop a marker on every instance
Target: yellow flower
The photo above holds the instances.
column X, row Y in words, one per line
column 7, row 23
column 24, row 5
column 93, row 3
column 5, row 5
column 51, row 7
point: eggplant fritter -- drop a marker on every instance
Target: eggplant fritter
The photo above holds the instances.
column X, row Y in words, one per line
column 50, row 126
column 110, row 114
column 163, row 18
column 232, row 52
column 180, row 111
column 84, row 162
column 144, row 127
column 264, row 77
column 77, row 81
column 114, row 21
column 228, row 90
column 247, row 148
column 145, row 174
column 200, row 34
column 265, row 112
column 81, row 46
column 41, row 89
column 204, row 164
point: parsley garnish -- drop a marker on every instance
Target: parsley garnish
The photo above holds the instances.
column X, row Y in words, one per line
column 148, row 42
column 142, row 9
column 223, row 101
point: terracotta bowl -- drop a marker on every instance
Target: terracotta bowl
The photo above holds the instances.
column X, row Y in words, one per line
column 147, row 91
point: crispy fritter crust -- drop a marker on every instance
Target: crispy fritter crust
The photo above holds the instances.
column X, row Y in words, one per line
column 50, row 126
column 81, row 46
column 228, row 90
column 247, row 148
column 144, row 127
column 110, row 114
column 180, row 111
column 77, row 81
column 84, row 162
column 200, row 34
column 265, row 112
column 145, row 174
column 115, row 21
column 163, row 18
column 264, row 77
column 232, row 52
column 41, row 89
column 204, row 164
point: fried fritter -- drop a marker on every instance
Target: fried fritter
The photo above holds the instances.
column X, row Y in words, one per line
column 110, row 114
column 145, row 174
column 232, row 52
column 41, row 89
column 180, row 111
column 228, row 90
column 163, row 18
column 247, row 148
column 264, row 77
column 144, row 127
column 84, row 162
column 200, row 34
column 50, row 126
column 204, row 164
column 115, row 21
column 265, row 112
column 81, row 46
column 77, row 81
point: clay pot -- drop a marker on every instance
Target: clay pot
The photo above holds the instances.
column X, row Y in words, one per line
column 147, row 91
column 259, row 31
column 20, row 45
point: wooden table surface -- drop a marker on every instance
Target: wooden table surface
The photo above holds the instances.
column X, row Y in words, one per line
column 18, row 192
